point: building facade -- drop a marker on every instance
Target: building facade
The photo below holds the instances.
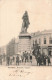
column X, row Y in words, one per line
column 3, row 50
column 12, row 47
column 44, row 39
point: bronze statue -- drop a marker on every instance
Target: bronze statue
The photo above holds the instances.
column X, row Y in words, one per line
column 26, row 22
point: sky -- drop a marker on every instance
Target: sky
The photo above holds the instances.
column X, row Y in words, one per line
column 11, row 12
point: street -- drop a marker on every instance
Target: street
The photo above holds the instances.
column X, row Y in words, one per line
column 34, row 63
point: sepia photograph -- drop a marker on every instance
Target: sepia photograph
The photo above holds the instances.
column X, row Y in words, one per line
column 25, row 39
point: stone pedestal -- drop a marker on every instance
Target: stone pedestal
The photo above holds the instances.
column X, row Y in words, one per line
column 24, row 42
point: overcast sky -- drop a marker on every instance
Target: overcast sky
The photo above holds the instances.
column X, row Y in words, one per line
column 11, row 12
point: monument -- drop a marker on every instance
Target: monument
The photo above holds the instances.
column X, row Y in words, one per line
column 25, row 23
column 24, row 36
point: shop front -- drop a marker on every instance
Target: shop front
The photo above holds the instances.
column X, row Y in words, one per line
column 50, row 50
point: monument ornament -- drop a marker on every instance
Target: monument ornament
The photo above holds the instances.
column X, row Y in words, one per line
column 25, row 23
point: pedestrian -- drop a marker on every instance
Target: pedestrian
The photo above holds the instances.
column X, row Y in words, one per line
column 49, row 62
column 38, row 60
column 25, row 55
column 13, row 59
column 8, row 60
column 0, row 60
column 44, row 61
column 17, row 60
column 31, row 58
column 20, row 59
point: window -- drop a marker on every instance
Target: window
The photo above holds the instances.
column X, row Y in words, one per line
column 44, row 40
column 35, row 41
column 50, row 40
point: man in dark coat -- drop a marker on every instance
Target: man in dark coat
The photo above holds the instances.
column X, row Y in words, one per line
column 31, row 58
column 17, row 60
column 49, row 62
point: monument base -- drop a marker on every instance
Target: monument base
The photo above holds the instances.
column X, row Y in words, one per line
column 24, row 42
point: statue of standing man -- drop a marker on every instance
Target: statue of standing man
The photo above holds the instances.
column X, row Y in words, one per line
column 25, row 23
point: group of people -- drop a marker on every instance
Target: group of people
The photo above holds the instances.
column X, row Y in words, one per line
column 2, row 59
column 25, row 57
column 43, row 60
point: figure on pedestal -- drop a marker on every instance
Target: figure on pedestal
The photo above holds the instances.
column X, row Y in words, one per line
column 25, row 23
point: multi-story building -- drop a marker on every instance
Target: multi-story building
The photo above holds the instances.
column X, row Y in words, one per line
column 44, row 39
column 3, row 50
column 12, row 47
